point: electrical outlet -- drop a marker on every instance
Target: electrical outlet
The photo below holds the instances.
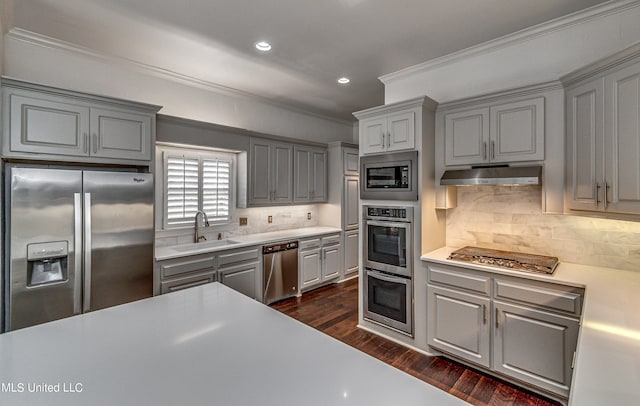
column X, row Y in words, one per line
column 308, row 216
column 270, row 219
column 243, row 221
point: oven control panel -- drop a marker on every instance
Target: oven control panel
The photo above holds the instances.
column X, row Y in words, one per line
column 389, row 213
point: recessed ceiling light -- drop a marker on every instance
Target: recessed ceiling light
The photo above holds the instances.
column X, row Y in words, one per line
column 263, row 46
column 344, row 80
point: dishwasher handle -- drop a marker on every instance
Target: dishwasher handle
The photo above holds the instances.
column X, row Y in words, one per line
column 270, row 249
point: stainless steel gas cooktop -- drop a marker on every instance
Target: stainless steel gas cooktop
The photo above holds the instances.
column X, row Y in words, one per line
column 506, row 259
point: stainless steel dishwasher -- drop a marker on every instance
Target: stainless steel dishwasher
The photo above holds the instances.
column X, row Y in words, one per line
column 280, row 271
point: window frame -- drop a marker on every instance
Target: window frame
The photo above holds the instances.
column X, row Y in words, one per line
column 200, row 154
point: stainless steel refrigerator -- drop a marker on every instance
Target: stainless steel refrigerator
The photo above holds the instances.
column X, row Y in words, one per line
column 76, row 241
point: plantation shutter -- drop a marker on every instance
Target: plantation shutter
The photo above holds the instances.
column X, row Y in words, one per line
column 216, row 190
column 182, row 189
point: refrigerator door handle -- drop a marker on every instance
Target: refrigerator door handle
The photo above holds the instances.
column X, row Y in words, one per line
column 86, row 297
column 77, row 252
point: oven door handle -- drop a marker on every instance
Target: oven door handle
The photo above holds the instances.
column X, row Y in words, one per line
column 382, row 223
column 388, row 278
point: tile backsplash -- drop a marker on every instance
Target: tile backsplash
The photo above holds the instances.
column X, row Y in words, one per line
column 284, row 217
column 511, row 218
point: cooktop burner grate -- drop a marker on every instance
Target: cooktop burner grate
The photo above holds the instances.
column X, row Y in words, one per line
column 506, row 259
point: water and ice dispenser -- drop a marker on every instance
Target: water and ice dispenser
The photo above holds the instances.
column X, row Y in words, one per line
column 47, row 262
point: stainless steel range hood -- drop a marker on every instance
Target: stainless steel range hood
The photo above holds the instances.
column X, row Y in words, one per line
column 494, row 175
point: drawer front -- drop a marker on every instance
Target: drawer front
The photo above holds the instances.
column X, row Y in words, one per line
column 311, row 243
column 548, row 296
column 187, row 282
column 175, row 267
column 331, row 239
column 445, row 275
column 238, row 256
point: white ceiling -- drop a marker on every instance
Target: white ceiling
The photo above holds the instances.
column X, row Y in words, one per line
column 314, row 41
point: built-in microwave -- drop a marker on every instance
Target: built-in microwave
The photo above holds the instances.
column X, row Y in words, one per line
column 390, row 176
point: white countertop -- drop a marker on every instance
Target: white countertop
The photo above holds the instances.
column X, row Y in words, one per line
column 183, row 250
column 607, row 368
column 204, row 345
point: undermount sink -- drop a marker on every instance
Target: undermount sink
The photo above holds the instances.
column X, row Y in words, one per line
column 204, row 245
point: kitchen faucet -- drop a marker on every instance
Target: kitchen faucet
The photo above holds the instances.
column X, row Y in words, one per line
column 198, row 237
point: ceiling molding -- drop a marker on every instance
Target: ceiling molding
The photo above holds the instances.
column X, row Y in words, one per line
column 34, row 38
column 527, row 34
column 425, row 101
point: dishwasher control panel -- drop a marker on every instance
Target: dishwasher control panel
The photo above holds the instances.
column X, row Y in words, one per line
column 267, row 249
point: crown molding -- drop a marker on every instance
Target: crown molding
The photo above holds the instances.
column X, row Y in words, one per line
column 44, row 41
column 627, row 55
column 493, row 97
column 425, row 101
column 524, row 35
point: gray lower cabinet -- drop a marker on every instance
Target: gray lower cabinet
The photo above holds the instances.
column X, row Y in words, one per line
column 523, row 329
column 243, row 278
column 535, row 346
column 351, row 252
column 184, row 282
column 320, row 260
column 309, row 266
column 45, row 123
column 181, row 273
column 459, row 324
column 240, row 269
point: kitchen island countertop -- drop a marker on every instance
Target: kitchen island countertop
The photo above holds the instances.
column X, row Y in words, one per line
column 607, row 367
column 204, row 345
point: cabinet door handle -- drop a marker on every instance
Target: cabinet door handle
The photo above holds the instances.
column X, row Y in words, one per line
column 605, row 202
column 484, row 151
column 597, row 193
column 95, row 143
column 389, row 139
column 383, row 140
column 484, row 314
column 497, row 318
column 86, row 143
column 493, row 150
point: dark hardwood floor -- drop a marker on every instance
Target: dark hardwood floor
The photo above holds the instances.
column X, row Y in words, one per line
column 334, row 310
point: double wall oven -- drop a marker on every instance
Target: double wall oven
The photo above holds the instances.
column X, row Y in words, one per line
column 388, row 263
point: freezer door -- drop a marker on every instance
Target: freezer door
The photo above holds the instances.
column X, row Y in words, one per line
column 118, row 232
column 43, row 215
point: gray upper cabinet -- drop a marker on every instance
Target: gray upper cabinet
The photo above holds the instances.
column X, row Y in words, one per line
column 603, row 136
column 45, row 123
column 350, row 161
column 498, row 133
column 310, row 174
column 48, row 126
column 120, row 134
column 271, row 172
column 388, row 132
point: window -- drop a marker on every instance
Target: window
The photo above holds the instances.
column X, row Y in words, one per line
column 196, row 180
